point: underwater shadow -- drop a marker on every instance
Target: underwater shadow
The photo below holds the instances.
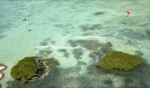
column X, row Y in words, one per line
column 49, row 81
column 138, row 77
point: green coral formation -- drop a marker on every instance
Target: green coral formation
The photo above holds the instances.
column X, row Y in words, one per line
column 118, row 60
column 24, row 69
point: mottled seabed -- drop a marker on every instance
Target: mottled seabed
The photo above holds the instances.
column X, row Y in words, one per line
column 77, row 33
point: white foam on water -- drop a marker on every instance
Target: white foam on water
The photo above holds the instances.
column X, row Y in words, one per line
column 52, row 47
column 98, row 38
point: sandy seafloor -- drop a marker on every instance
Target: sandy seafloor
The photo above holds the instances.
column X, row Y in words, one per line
column 59, row 23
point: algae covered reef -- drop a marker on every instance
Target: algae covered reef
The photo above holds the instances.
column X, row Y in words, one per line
column 31, row 68
column 116, row 67
column 119, row 60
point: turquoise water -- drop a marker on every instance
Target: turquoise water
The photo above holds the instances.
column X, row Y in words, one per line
column 74, row 29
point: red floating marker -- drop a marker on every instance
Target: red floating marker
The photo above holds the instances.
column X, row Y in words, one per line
column 128, row 13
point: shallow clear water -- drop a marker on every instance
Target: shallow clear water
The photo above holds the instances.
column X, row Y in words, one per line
column 74, row 29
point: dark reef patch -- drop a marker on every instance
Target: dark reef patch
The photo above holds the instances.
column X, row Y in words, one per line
column 148, row 33
column 91, row 79
column 45, row 42
column 77, row 53
column 62, row 50
column 93, row 55
column 2, row 30
column 88, row 44
column 85, row 82
column 49, row 81
column 96, row 48
column 130, row 33
column 53, row 42
column 81, row 63
column 29, row 30
column 98, row 13
column 124, row 23
column 92, row 27
column 139, row 53
column 108, row 82
column 44, row 53
column 66, row 53
column 86, row 34
column 2, row 36
column 131, row 42
column 106, row 47
column 127, row 80
column 128, row 83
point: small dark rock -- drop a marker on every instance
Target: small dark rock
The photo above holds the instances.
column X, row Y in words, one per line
column 62, row 50
column 81, row 63
column 108, row 82
column 53, row 42
column 29, row 30
column 139, row 53
column 98, row 13
column 128, row 80
column 77, row 53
